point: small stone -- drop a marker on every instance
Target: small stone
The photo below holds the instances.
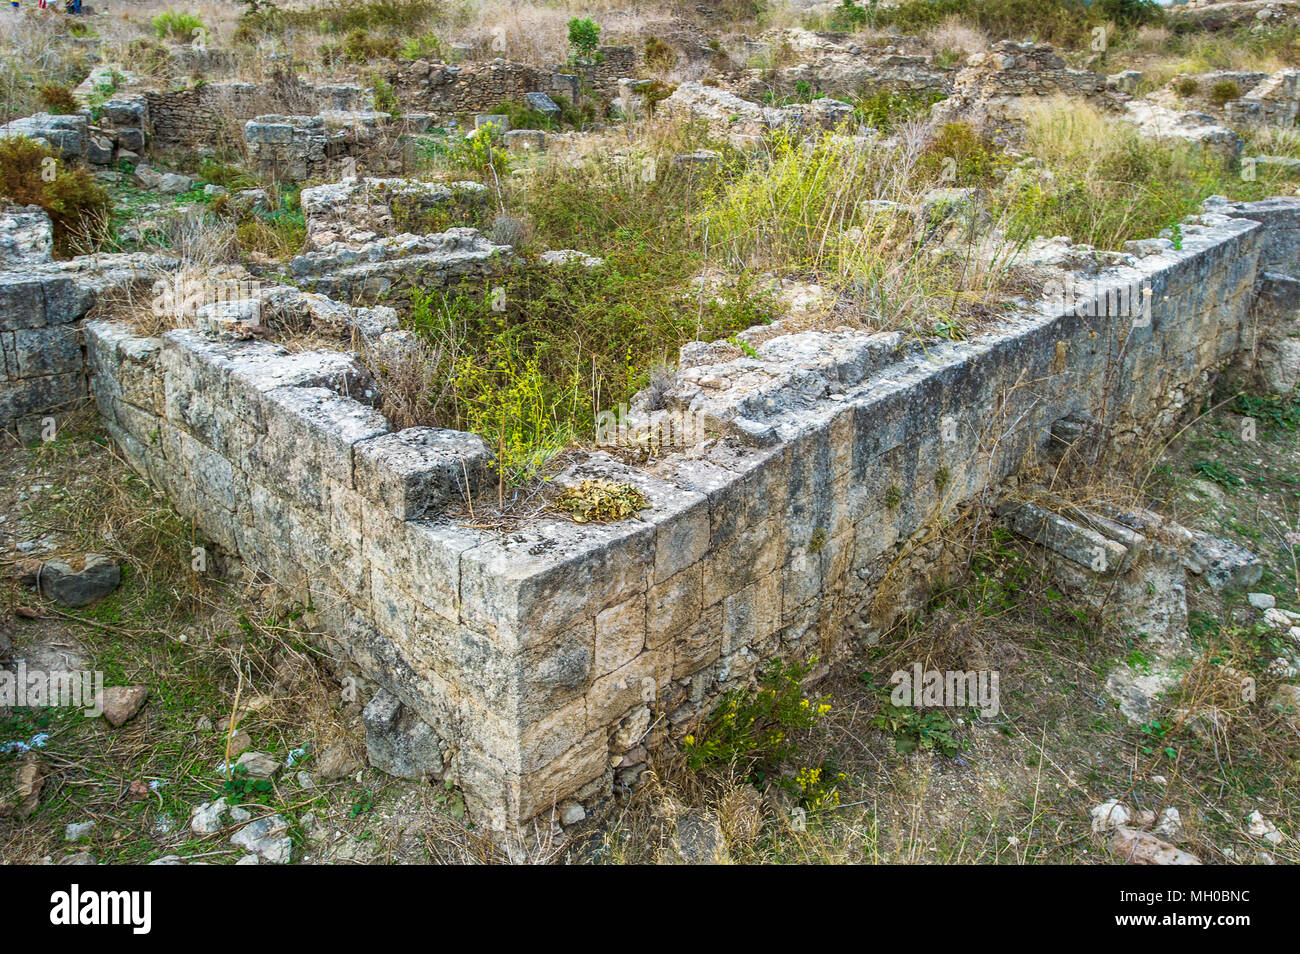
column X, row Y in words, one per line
column 203, row 725
column 78, row 830
column 313, row 828
column 240, row 742
column 207, row 818
column 305, row 780
column 267, row 838
column 258, row 765
column 121, row 703
column 249, row 860
column 700, row 840
column 1261, row 827
column 335, row 762
column 97, row 577
column 1110, row 815
column 27, row 790
column 80, row 858
column 173, row 183
column 1143, row 848
column 1227, row 565
column 1170, row 825
column 240, row 816
column 571, row 813
column 1262, row 601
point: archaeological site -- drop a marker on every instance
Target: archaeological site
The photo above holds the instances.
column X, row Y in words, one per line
column 754, row 432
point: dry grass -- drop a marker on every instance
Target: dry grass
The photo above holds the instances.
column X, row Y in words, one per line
column 955, row 36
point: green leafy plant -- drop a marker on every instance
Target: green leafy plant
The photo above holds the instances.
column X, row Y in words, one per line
column 916, row 729
column 1217, row 472
column 241, row 788
column 584, row 39
column 753, row 729
column 176, row 25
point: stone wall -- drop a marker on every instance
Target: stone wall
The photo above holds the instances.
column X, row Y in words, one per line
column 212, row 116
column 550, row 659
column 997, row 83
column 42, row 365
column 329, row 146
column 448, row 91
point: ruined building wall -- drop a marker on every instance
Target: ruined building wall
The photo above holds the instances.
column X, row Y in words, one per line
column 550, row 660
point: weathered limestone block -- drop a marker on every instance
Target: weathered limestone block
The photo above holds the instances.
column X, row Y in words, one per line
column 398, row 742
column 384, row 268
column 1197, row 128
column 66, row 134
column 26, row 236
column 416, row 472
column 743, row 121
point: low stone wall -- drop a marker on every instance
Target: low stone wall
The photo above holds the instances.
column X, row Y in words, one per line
column 448, row 91
column 550, row 659
column 328, row 146
column 42, row 364
column 997, row 83
column 1275, row 101
column 211, row 116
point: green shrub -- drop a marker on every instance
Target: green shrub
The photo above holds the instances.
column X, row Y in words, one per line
column 960, row 156
column 424, row 47
column 1224, row 91
column 30, row 174
column 883, row 109
column 361, row 47
column 850, row 17
column 178, row 26
column 753, row 730
column 1187, row 87
column 584, row 38
column 58, row 99
column 659, row 55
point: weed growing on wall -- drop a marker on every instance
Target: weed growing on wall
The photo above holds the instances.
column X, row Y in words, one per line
column 753, row 729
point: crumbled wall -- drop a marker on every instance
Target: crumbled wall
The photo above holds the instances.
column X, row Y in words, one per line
column 447, row 91
column 328, row 146
column 201, row 118
column 42, row 365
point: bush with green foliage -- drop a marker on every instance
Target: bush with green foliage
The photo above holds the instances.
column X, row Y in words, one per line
column 1224, row 91
column 754, row 730
column 177, row 26
column 31, row 174
column 58, row 99
column 884, row 109
column 584, row 39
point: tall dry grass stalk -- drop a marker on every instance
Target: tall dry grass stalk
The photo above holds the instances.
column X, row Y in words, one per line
column 855, row 213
